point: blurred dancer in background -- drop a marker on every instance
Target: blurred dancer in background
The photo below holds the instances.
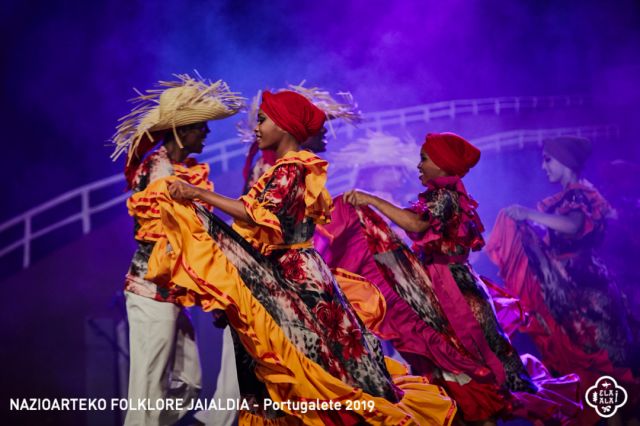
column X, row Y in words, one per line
column 580, row 320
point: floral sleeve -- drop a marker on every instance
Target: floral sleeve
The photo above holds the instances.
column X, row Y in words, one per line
column 581, row 199
column 590, row 210
column 286, row 203
column 283, row 195
column 437, row 208
column 154, row 167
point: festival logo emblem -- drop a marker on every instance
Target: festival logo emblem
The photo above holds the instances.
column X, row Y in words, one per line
column 606, row 396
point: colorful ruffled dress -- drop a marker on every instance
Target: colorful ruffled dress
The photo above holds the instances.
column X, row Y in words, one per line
column 143, row 207
column 299, row 338
column 439, row 314
column 252, row 171
column 578, row 315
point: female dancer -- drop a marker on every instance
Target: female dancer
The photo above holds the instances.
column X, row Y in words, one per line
column 484, row 373
column 580, row 319
column 301, row 339
column 340, row 106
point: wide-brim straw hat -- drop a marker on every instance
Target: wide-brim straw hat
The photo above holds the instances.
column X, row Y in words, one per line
column 176, row 103
column 378, row 149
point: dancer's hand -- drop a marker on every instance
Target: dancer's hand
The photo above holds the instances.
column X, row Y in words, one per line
column 182, row 191
column 517, row 212
column 358, row 198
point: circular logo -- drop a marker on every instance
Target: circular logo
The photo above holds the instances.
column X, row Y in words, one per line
column 606, row 396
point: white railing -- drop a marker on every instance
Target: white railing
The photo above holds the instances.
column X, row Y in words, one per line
column 84, row 216
column 220, row 152
column 378, row 121
column 223, row 152
column 345, row 177
column 522, row 138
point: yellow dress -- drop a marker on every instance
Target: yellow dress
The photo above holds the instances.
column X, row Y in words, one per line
column 306, row 344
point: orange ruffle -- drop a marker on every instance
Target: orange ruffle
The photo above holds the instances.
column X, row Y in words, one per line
column 143, row 205
column 197, row 263
column 364, row 297
column 266, row 230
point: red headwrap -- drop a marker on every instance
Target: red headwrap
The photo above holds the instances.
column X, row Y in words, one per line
column 293, row 113
column 452, row 153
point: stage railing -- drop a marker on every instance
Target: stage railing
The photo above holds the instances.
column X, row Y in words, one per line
column 223, row 152
column 522, row 138
column 377, row 121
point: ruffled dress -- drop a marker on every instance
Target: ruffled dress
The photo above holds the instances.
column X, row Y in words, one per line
column 439, row 314
column 578, row 316
column 143, row 207
column 299, row 339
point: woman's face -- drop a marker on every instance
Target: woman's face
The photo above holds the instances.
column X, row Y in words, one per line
column 428, row 169
column 554, row 169
column 268, row 134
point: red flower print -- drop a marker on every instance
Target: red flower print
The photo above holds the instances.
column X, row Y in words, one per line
column 293, row 266
column 332, row 365
column 350, row 337
column 329, row 316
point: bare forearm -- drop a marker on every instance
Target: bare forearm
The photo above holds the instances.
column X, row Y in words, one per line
column 566, row 224
column 232, row 207
column 405, row 219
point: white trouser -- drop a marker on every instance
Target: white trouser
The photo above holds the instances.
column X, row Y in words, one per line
column 164, row 361
column 226, row 387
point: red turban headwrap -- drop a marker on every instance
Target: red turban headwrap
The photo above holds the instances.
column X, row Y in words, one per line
column 293, row 113
column 452, row 153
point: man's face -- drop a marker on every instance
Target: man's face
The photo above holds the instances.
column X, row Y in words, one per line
column 193, row 136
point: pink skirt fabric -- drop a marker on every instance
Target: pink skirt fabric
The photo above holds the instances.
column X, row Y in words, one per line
column 343, row 244
column 558, row 351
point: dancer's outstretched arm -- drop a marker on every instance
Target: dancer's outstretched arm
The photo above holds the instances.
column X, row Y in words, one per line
column 182, row 191
column 405, row 219
column 568, row 224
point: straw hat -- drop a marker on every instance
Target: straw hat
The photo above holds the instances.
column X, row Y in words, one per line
column 378, row 149
column 245, row 127
column 176, row 103
column 345, row 108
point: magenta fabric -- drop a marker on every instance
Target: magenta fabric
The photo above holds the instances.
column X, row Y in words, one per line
column 506, row 250
column 424, row 348
column 343, row 243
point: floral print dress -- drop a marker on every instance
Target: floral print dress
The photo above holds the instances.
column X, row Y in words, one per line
column 454, row 230
column 144, row 210
column 326, row 329
column 469, row 354
column 579, row 318
column 298, row 338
